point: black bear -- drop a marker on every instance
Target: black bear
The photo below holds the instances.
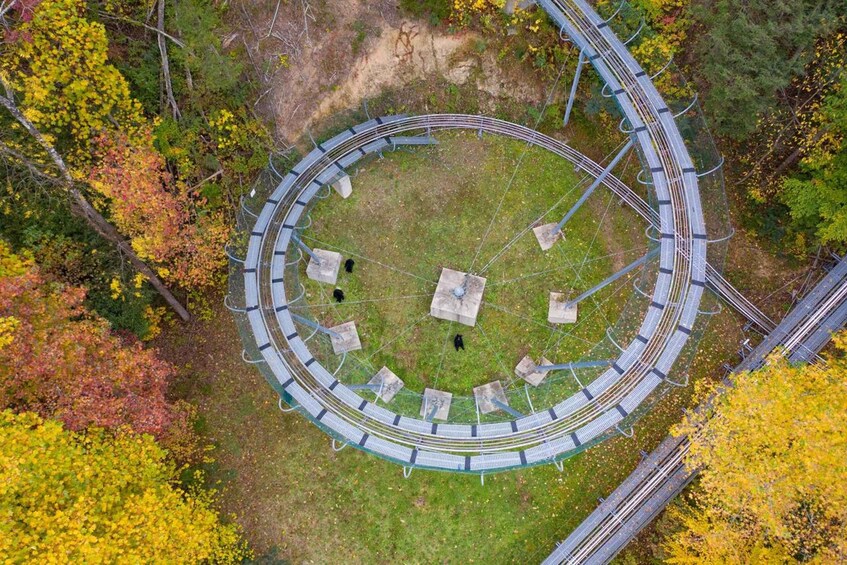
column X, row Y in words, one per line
column 348, row 265
column 458, row 342
column 338, row 295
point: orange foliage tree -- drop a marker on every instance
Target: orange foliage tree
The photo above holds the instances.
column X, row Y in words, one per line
column 158, row 212
column 57, row 63
column 59, row 360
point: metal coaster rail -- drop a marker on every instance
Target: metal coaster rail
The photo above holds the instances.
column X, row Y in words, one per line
column 663, row 474
column 574, row 422
column 530, row 437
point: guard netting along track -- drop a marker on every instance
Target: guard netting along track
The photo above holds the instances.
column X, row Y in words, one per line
column 800, row 335
column 540, row 437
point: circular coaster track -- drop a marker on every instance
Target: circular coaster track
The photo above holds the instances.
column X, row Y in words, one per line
column 574, row 422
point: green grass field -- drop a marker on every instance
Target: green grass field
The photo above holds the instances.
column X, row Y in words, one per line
column 301, row 501
column 291, row 493
column 467, row 205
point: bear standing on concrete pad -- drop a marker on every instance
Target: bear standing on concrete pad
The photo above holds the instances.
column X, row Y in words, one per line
column 348, row 265
column 338, row 295
column 458, row 342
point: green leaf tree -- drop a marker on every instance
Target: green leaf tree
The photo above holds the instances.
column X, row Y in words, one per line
column 750, row 49
column 817, row 197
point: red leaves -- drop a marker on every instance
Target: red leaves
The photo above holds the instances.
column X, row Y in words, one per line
column 155, row 211
column 146, row 202
column 25, row 8
column 65, row 363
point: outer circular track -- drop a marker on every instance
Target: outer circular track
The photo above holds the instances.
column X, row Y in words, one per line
column 574, row 422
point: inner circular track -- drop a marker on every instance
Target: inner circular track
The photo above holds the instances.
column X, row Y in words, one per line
column 573, row 423
column 537, row 438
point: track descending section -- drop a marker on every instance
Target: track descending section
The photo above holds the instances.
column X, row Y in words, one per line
column 662, row 474
column 573, row 423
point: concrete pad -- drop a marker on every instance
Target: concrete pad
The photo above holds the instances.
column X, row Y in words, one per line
column 343, row 186
column 559, row 313
column 463, row 308
column 528, row 371
column 347, row 338
column 546, row 237
column 483, row 395
column 433, row 398
column 391, row 384
column 325, row 271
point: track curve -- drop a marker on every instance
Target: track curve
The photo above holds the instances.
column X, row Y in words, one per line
column 572, row 423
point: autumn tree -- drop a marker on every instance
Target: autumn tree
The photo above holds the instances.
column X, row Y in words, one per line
column 57, row 63
column 61, row 57
column 97, row 497
column 75, row 121
column 61, row 361
column 664, row 35
column 772, row 455
column 158, row 212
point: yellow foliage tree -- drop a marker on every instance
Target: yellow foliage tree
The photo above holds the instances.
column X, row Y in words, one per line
column 11, row 266
column 773, row 459
column 58, row 62
column 96, row 498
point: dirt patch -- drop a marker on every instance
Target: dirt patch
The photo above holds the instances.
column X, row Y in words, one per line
column 768, row 281
column 399, row 55
column 316, row 58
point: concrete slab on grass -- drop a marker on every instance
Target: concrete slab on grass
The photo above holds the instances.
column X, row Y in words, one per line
column 457, row 297
column 390, row 383
column 527, row 369
column 484, row 395
column 343, row 186
column 547, row 235
column 345, row 338
column 437, row 400
column 325, row 270
column 559, row 313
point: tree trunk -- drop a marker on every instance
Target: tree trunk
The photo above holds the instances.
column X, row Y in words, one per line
column 82, row 207
column 795, row 155
column 166, row 67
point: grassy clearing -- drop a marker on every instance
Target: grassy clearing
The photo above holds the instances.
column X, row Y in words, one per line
column 413, row 213
column 297, row 498
column 292, row 493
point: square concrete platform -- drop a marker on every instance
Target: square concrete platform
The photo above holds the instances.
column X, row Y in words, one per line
column 326, row 270
column 546, row 235
column 559, row 313
column 528, row 371
column 343, row 187
column 391, row 384
column 347, row 338
column 436, row 399
column 460, row 305
column 484, row 395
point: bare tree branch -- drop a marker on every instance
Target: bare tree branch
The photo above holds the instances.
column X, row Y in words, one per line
column 33, row 168
column 82, row 207
column 166, row 66
column 216, row 174
column 5, row 8
column 273, row 21
column 142, row 24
